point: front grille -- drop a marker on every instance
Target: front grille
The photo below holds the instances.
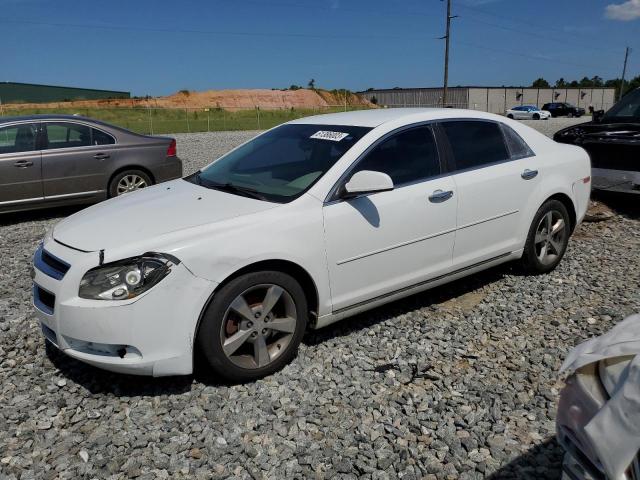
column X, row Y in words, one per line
column 43, row 299
column 49, row 264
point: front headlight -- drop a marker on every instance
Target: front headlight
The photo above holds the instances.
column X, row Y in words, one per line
column 125, row 279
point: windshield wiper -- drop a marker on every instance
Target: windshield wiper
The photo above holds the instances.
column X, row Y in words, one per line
column 231, row 188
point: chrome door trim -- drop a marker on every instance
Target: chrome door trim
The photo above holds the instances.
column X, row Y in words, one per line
column 70, row 195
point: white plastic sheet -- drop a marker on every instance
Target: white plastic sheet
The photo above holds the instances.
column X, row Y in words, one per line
column 614, row 431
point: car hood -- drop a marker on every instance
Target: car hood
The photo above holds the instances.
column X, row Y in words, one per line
column 600, row 132
column 149, row 213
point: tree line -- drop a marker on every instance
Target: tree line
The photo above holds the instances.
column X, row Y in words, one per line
column 593, row 82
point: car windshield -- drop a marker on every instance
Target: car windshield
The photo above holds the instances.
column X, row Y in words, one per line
column 626, row 110
column 569, row 105
column 280, row 164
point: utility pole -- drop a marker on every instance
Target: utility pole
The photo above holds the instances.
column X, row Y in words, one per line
column 624, row 71
column 446, row 53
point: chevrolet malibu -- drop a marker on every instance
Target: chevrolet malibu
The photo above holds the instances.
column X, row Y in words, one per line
column 306, row 224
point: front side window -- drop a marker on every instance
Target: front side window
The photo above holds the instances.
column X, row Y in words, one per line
column 281, row 164
column 18, row 138
column 475, row 143
column 67, row 135
column 408, row 156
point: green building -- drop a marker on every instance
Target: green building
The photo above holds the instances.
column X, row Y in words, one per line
column 13, row 92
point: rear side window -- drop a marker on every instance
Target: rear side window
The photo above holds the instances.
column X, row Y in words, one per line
column 408, row 156
column 98, row 137
column 475, row 143
column 18, row 138
column 67, row 135
column 518, row 148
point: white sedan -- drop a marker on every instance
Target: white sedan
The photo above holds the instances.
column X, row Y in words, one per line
column 306, row 224
column 528, row 112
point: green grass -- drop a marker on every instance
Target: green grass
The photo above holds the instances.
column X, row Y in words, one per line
column 169, row 120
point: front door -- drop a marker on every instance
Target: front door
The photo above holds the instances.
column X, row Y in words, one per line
column 20, row 165
column 379, row 243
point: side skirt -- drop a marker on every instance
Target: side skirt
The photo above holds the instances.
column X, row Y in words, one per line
column 351, row 310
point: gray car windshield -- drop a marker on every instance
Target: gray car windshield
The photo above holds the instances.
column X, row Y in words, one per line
column 281, row 164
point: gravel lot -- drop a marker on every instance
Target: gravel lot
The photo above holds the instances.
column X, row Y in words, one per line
column 458, row 382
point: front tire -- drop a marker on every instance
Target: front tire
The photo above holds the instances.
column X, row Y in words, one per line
column 253, row 326
column 536, row 116
column 510, row 116
column 548, row 238
column 128, row 181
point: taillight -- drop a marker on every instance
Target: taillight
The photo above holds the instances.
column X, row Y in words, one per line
column 172, row 151
column 586, row 179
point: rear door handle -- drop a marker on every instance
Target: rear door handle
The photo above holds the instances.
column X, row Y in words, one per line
column 440, row 196
column 23, row 164
column 101, row 156
column 529, row 174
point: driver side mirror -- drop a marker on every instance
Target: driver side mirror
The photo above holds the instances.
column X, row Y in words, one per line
column 365, row 182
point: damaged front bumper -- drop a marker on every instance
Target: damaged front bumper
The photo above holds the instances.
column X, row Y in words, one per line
column 151, row 334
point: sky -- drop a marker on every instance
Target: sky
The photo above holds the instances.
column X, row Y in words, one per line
column 158, row 47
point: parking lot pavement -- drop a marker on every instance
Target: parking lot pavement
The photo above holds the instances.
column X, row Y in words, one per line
column 458, row 382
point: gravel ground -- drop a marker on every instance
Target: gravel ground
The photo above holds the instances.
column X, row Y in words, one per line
column 458, row 382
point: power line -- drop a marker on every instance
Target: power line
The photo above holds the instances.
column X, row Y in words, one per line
column 520, row 54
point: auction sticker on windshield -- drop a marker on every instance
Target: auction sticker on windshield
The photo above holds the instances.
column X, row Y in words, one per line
column 327, row 135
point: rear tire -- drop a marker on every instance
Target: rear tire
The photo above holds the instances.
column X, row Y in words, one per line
column 238, row 336
column 570, row 115
column 548, row 238
column 128, row 181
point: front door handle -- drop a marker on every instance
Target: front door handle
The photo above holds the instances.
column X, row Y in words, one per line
column 101, row 156
column 529, row 174
column 23, row 164
column 440, row 196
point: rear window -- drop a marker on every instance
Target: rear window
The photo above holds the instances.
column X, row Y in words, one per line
column 518, row 148
column 475, row 143
column 67, row 135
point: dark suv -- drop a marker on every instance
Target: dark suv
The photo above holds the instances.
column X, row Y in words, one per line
column 563, row 109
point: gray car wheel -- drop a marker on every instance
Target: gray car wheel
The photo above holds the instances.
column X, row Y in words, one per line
column 254, row 325
column 128, row 181
column 548, row 237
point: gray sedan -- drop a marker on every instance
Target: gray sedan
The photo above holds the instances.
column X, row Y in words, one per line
column 52, row 160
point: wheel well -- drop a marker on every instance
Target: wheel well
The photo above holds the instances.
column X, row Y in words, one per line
column 568, row 203
column 290, row 268
column 130, row 167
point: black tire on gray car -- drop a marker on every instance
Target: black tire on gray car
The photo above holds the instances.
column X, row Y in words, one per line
column 548, row 238
column 536, row 116
column 253, row 325
column 127, row 181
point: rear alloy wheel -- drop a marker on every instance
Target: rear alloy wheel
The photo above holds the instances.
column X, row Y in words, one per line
column 128, row 181
column 548, row 238
column 253, row 326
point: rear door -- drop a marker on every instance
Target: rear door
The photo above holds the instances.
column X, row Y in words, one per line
column 495, row 175
column 20, row 165
column 75, row 159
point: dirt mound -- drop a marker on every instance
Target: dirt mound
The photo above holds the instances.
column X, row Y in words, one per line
column 227, row 99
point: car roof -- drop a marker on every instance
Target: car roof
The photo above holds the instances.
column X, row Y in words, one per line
column 43, row 117
column 378, row 116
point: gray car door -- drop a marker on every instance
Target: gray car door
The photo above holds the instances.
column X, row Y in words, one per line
column 20, row 165
column 73, row 165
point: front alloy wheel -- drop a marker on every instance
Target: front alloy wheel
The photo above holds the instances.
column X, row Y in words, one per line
column 258, row 326
column 253, row 325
